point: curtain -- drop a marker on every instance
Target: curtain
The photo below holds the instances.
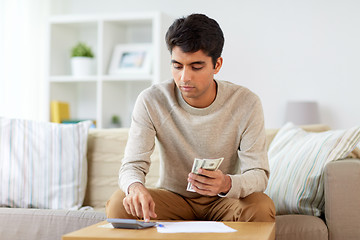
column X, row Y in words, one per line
column 23, row 41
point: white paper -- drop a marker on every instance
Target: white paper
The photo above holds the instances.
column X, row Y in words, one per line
column 194, row 227
column 108, row 225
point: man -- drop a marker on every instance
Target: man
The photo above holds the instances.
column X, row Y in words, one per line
column 195, row 116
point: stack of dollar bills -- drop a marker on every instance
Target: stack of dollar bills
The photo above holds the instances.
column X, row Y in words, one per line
column 207, row 164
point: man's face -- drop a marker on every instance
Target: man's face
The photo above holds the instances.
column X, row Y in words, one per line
column 193, row 74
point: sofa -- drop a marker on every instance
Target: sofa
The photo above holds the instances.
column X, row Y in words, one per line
column 105, row 148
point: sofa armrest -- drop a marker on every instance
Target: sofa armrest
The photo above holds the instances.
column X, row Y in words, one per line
column 342, row 199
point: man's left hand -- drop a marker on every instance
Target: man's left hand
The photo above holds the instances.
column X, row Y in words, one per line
column 210, row 183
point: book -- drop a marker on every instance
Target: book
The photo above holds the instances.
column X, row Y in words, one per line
column 74, row 121
column 59, row 111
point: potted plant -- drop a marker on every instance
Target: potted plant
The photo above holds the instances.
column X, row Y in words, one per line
column 82, row 60
column 115, row 121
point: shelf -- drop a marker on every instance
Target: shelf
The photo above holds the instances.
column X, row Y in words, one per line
column 71, row 93
column 100, row 96
column 63, row 37
column 107, row 78
column 129, row 77
column 69, row 79
column 126, row 17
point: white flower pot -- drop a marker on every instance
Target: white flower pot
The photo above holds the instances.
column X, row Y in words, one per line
column 82, row 66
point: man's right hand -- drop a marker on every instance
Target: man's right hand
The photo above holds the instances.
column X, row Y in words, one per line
column 139, row 202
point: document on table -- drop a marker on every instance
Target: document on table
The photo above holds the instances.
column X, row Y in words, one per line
column 188, row 227
column 193, row 227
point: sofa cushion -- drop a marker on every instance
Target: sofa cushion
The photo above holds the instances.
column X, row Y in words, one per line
column 297, row 159
column 300, row 227
column 105, row 152
column 42, row 165
column 44, row 224
column 271, row 132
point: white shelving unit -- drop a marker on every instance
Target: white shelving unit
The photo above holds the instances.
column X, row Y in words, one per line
column 101, row 96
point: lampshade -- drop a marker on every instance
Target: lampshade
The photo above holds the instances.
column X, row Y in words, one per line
column 302, row 112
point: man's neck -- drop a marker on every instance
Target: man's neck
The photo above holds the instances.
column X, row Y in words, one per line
column 206, row 100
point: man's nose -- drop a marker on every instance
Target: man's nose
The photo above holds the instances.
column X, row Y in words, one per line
column 186, row 74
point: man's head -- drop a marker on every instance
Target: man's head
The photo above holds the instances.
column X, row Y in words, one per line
column 196, row 32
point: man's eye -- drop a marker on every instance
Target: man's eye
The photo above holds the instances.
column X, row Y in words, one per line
column 197, row 68
column 176, row 66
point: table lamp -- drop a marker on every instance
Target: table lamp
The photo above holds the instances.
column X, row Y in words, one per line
column 302, row 112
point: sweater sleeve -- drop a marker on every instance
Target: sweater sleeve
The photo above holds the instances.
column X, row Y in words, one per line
column 252, row 155
column 139, row 147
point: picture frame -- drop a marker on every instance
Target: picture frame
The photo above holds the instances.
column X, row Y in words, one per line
column 131, row 59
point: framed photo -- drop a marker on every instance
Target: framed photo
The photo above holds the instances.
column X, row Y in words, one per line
column 131, row 59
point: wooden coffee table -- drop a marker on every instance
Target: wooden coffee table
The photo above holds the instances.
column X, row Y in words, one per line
column 248, row 231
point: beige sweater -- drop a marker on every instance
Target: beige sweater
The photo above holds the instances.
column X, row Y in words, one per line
column 232, row 127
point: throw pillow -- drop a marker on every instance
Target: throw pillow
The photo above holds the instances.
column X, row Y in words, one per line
column 42, row 165
column 297, row 159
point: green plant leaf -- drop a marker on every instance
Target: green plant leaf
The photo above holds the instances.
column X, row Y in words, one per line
column 81, row 50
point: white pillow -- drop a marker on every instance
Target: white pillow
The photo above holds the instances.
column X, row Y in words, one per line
column 42, row 165
column 297, row 160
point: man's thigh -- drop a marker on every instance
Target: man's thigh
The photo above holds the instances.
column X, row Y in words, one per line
column 256, row 207
column 168, row 206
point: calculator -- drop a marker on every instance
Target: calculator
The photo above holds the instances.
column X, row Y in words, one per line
column 130, row 223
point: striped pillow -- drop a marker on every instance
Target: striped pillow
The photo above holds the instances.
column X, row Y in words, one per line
column 297, row 159
column 42, row 165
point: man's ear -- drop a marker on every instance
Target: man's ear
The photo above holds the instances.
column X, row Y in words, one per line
column 218, row 65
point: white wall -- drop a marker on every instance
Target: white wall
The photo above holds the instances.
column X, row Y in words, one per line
column 281, row 49
column 22, row 58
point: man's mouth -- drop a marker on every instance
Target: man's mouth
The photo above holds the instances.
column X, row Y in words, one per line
column 186, row 88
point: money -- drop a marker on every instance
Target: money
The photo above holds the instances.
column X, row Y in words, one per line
column 208, row 164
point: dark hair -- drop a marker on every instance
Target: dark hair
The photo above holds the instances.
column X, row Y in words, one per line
column 196, row 32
